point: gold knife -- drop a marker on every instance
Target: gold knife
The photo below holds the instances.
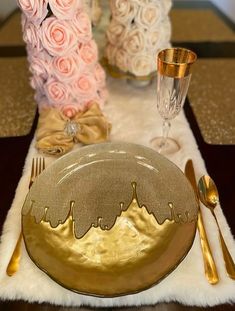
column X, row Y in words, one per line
column 209, row 263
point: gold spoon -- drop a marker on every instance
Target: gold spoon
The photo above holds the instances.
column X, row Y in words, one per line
column 209, row 196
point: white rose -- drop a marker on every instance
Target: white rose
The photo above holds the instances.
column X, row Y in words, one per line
column 121, row 60
column 123, row 10
column 141, row 65
column 167, row 4
column 166, row 29
column 116, row 33
column 149, row 16
column 110, row 53
column 135, row 41
column 154, row 38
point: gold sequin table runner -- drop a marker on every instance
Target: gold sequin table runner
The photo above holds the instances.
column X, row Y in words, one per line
column 17, row 107
column 212, row 98
column 199, row 25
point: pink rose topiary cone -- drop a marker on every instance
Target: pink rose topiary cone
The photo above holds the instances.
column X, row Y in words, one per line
column 63, row 56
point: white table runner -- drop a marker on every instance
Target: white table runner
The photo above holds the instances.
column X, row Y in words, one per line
column 134, row 116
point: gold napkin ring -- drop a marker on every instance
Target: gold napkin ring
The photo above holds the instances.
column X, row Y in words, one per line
column 57, row 134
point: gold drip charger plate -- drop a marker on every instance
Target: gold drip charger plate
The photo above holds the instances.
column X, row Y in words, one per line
column 109, row 219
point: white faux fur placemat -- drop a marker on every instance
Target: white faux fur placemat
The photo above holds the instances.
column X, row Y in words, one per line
column 134, row 116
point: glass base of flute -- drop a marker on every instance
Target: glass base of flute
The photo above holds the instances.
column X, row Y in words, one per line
column 165, row 144
column 174, row 73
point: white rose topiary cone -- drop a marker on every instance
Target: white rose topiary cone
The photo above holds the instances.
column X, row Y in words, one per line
column 138, row 30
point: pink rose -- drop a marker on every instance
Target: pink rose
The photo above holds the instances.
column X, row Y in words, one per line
column 42, row 102
column 99, row 75
column 65, row 9
column 35, row 10
column 85, row 87
column 67, row 67
column 37, row 83
column 100, row 98
column 57, row 36
column 56, row 92
column 31, row 37
column 82, row 26
column 95, row 100
column 40, row 64
column 24, row 20
column 89, row 52
column 70, row 110
column 103, row 94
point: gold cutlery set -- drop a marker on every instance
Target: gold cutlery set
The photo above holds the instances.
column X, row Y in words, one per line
column 205, row 191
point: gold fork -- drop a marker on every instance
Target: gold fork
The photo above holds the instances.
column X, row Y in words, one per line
column 38, row 165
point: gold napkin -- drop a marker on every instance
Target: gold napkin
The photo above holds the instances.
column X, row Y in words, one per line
column 57, row 134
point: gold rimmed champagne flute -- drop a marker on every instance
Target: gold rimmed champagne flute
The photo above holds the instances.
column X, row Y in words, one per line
column 174, row 73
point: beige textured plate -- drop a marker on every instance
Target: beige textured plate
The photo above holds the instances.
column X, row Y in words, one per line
column 109, row 219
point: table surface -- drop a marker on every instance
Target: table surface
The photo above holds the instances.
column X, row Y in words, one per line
column 219, row 161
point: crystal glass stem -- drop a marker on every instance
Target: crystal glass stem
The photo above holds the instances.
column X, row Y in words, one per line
column 166, row 125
